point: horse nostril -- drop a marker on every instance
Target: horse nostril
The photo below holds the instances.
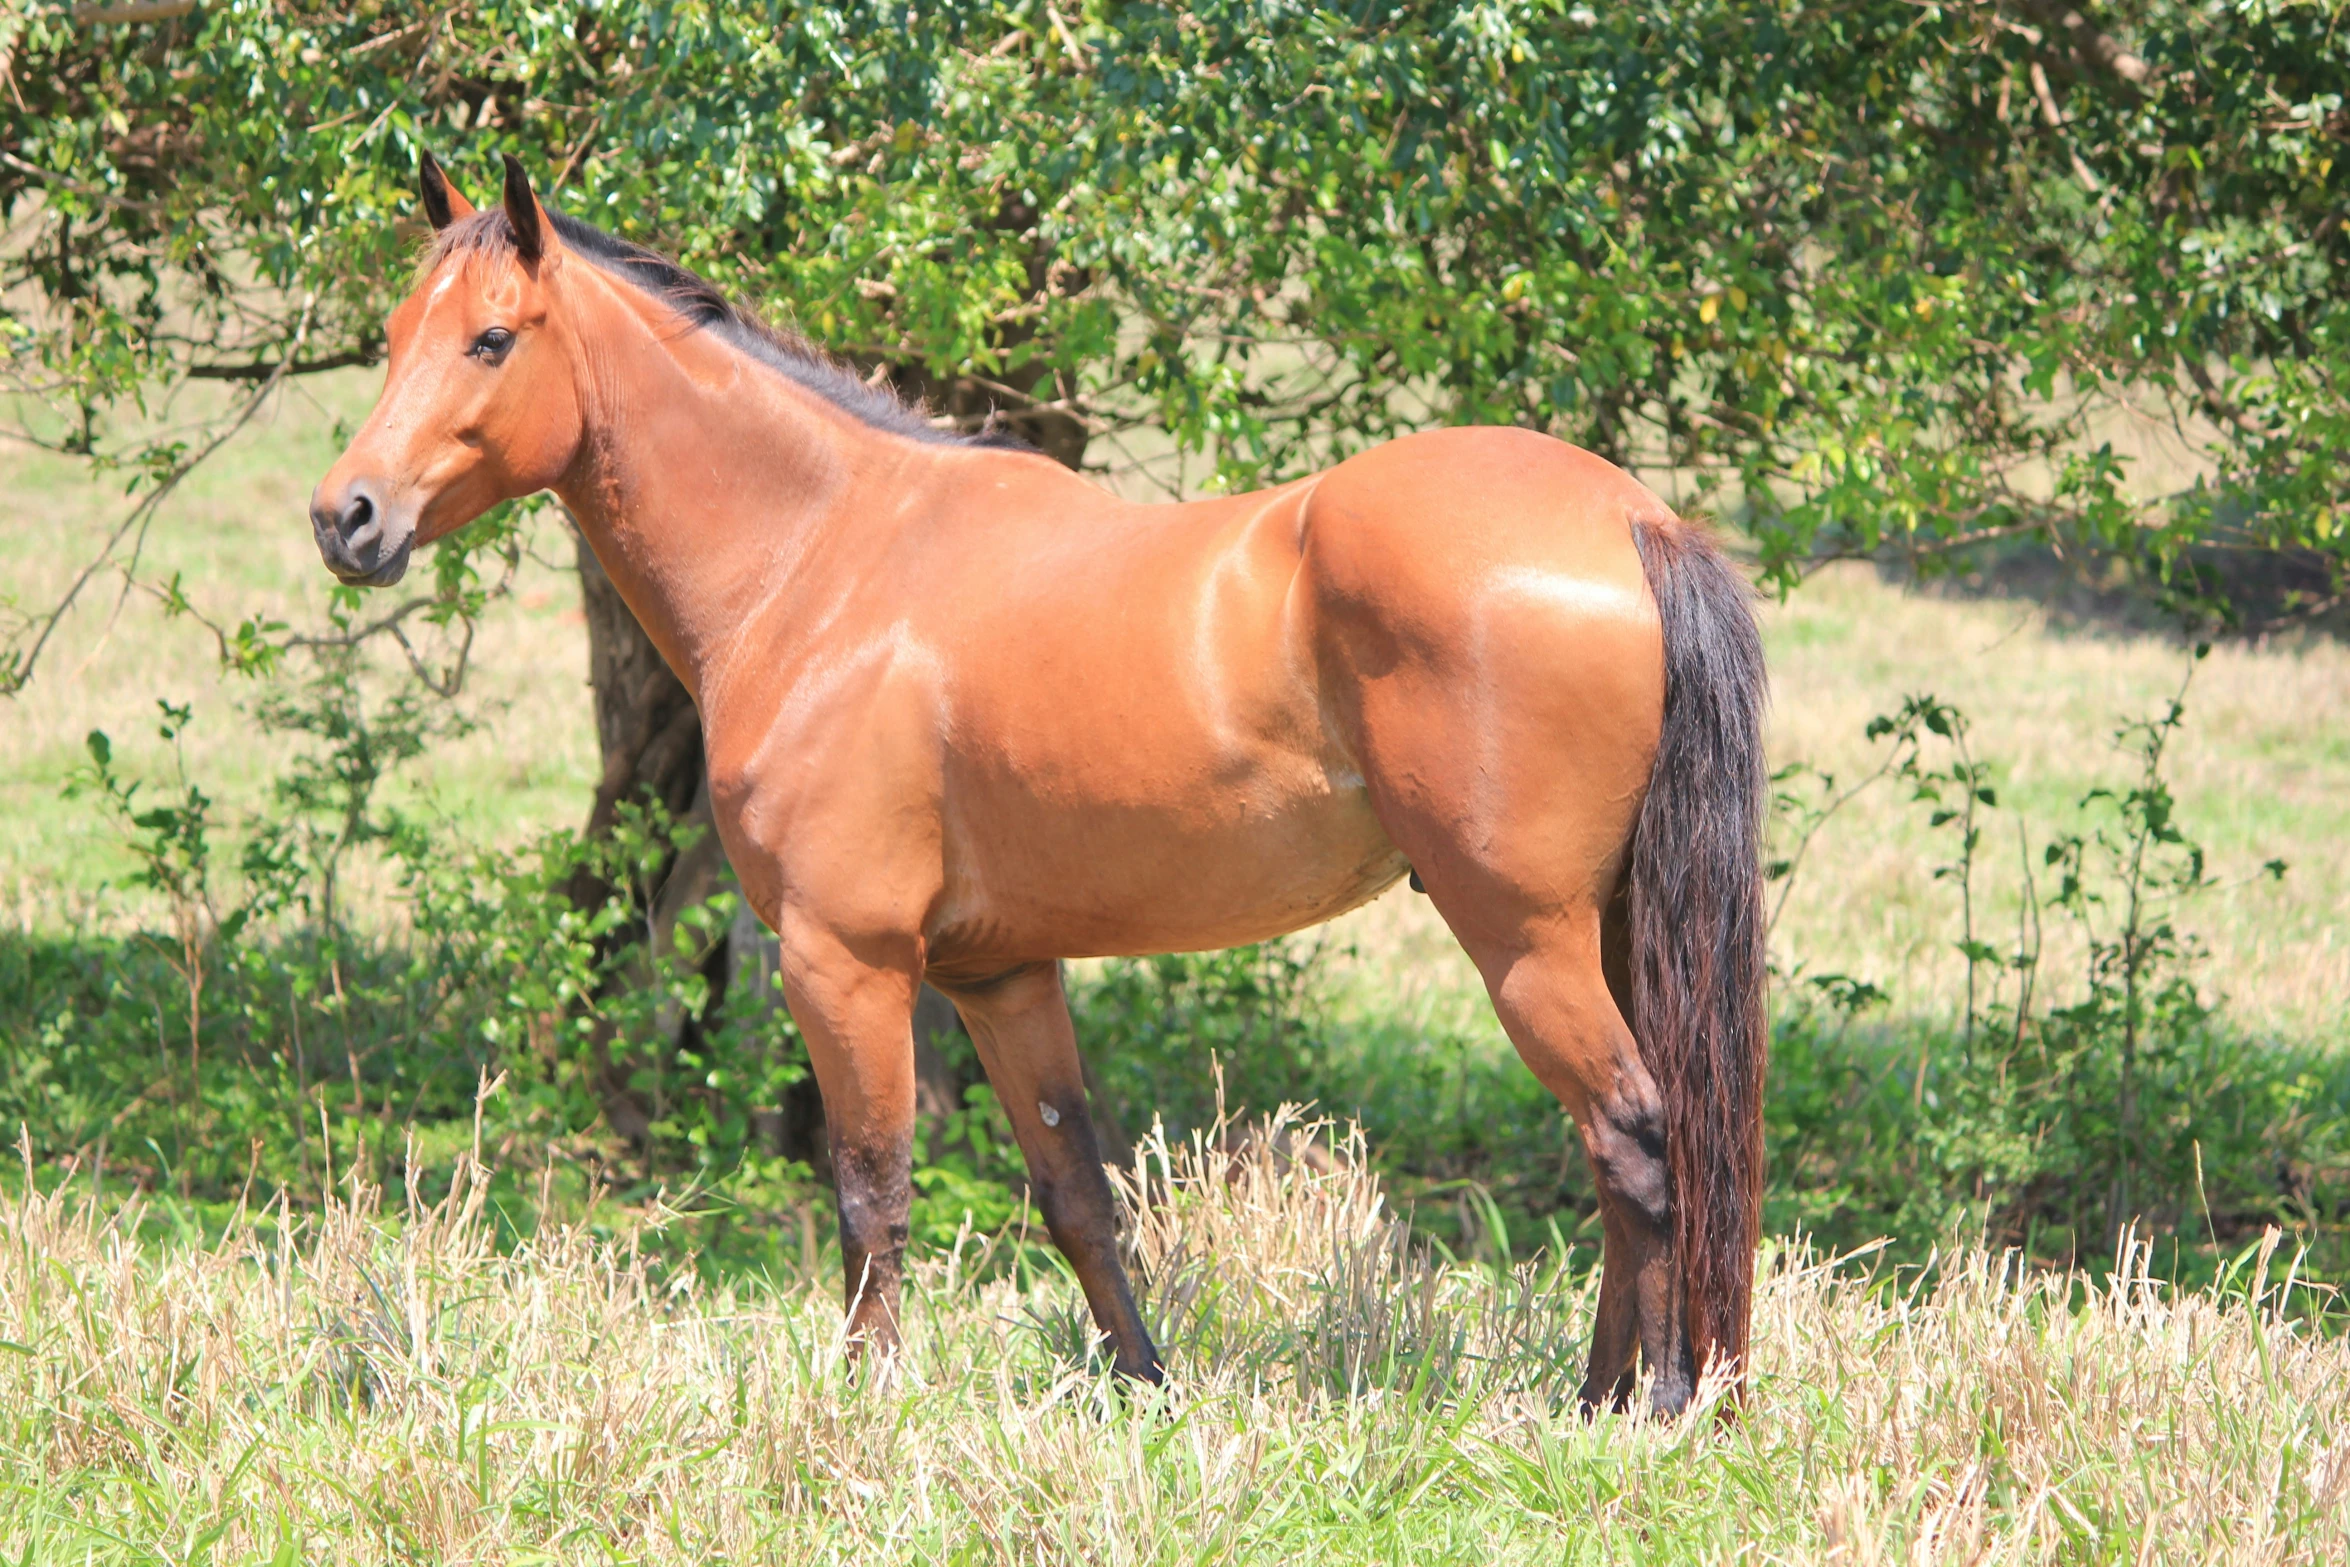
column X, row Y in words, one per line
column 356, row 517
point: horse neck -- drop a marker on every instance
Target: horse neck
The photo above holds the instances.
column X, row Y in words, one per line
column 707, row 482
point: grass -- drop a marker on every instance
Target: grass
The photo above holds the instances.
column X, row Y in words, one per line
column 363, row 1387
column 462, row 1381
column 2262, row 771
column 237, row 533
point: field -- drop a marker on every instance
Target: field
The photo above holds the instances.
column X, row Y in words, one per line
column 367, row 1390
column 239, row 535
column 520, row 1371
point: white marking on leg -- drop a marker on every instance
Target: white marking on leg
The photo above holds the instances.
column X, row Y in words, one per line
column 1047, row 1114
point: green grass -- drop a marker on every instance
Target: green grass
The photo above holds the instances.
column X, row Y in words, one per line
column 358, row 1388
column 2260, row 774
column 238, row 535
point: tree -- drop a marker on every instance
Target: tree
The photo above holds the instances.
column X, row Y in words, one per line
column 1881, row 276
column 1875, row 273
column 1876, row 278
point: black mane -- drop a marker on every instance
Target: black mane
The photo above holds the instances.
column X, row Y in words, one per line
column 700, row 302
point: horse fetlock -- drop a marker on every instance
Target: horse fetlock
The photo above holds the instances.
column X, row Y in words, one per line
column 1674, row 1386
column 1606, row 1395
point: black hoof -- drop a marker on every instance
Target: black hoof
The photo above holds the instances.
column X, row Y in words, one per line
column 1614, row 1401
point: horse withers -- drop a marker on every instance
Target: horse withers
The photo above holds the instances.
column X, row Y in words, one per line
column 968, row 715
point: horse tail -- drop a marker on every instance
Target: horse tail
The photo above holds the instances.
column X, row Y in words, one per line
column 1697, row 926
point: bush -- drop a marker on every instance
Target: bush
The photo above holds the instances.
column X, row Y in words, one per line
column 263, row 1038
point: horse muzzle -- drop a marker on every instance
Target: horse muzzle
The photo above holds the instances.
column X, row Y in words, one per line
column 363, row 542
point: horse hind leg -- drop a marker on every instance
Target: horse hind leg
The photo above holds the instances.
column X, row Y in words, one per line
column 1554, row 1000
column 1615, row 1327
column 1615, row 1322
column 1020, row 1022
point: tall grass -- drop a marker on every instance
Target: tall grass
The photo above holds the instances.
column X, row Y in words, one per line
column 357, row 1385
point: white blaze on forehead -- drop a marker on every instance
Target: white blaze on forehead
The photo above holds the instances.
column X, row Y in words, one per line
column 502, row 296
column 409, row 320
column 440, row 288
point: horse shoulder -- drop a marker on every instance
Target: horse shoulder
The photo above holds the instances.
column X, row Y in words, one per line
column 825, row 782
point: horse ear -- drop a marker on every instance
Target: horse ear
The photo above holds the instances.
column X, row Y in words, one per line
column 444, row 204
column 529, row 220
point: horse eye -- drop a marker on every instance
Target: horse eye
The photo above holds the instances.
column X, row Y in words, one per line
column 491, row 346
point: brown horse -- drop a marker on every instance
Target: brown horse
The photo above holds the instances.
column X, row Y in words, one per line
column 968, row 715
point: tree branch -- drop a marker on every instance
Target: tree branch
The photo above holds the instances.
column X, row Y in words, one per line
column 16, row 670
column 2090, row 46
column 2054, row 117
column 134, row 11
column 2214, row 402
column 265, row 370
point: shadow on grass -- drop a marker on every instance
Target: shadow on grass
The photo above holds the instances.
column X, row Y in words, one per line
column 1877, row 1127
column 2264, row 591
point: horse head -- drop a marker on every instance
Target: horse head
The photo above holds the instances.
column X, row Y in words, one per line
column 480, row 404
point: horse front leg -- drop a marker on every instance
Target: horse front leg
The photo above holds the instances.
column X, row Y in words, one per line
column 856, row 1015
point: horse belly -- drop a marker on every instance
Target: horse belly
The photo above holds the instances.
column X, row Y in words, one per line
column 1142, row 761
column 1157, row 877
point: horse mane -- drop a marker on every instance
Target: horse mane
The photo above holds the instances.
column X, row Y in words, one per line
column 489, row 233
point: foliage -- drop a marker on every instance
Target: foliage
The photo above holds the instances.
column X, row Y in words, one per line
column 1877, row 271
column 1176, row 1038
column 2054, row 1126
column 1885, row 276
column 173, row 846
column 288, row 1023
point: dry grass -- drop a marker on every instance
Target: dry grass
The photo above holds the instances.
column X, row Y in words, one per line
column 360, row 1389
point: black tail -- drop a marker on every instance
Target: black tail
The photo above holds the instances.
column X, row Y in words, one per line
column 1697, row 925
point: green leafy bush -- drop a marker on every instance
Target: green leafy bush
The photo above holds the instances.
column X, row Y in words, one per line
column 264, row 1037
